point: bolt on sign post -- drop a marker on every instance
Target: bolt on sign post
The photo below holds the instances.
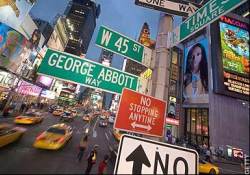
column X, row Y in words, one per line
column 207, row 14
column 138, row 155
column 141, row 114
column 120, row 44
column 71, row 68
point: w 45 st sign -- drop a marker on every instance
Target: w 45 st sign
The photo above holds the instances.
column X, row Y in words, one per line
column 120, row 44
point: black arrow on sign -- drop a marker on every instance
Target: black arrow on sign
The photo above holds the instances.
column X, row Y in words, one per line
column 139, row 157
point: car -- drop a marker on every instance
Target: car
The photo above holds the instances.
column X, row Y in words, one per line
column 117, row 134
column 9, row 133
column 58, row 112
column 54, row 138
column 52, row 108
column 73, row 112
column 29, row 118
column 111, row 119
column 103, row 123
column 86, row 117
column 67, row 116
column 103, row 117
column 207, row 168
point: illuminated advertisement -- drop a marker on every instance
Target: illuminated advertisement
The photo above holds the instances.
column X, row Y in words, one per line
column 48, row 94
column 195, row 80
column 14, row 49
column 235, row 57
column 13, row 12
column 231, row 65
column 44, row 81
column 26, row 88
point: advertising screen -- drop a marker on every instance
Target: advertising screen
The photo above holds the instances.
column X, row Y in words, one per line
column 44, row 81
column 26, row 88
column 14, row 49
column 195, row 79
column 235, row 57
column 13, row 12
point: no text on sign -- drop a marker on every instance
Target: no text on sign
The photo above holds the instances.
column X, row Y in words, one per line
column 71, row 68
column 156, row 157
column 120, row 44
column 207, row 14
column 140, row 114
column 174, row 7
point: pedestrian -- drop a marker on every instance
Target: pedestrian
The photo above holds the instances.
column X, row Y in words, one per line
column 208, row 155
column 23, row 107
column 82, row 147
column 91, row 159
column 103, row 164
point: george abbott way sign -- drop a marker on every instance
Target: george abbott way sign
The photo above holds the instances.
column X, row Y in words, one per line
column 207, row 14
column 140, row 114
column 71, row 68
column 120, row 44
column 174, row 7
column 138, row 155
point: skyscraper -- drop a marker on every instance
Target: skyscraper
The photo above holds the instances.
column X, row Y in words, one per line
column 81, row 18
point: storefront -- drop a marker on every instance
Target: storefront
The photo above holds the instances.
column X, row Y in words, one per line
column 26, row 93
column 196, row 126
column 7, row 81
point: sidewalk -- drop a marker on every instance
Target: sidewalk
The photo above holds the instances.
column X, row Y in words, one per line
column 225, row 161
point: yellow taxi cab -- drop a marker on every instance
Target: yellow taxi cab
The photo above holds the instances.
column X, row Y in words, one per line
column 207, row 168
column 86, row 117
column 58, row 112
column 54, row 137
column 9, row 134
column 118, row 134
column 29, row 118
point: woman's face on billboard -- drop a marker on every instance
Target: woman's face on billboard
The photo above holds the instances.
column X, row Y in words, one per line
column 196, row 59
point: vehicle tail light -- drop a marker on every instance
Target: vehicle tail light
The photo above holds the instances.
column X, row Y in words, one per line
column 60, row 140
column 41, row 136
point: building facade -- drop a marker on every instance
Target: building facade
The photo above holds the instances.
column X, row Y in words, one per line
column 81, row 18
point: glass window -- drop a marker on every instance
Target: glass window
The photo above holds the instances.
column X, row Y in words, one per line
column 188, row 120
column 198, row 122
column 193, row 120
column 204, row 129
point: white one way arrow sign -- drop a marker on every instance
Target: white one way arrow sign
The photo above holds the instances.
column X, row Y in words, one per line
column 147, row 127
column 174, row 7
column 144, row 156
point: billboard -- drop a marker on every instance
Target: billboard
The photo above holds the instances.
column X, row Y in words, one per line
column 44, row 81
column 27, row 88
column 231, row 64
column 14, row 12
column 195, row 79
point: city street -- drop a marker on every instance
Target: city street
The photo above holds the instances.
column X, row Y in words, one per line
column 124, row 87
column 21, row 157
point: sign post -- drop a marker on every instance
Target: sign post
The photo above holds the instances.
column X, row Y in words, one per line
column 120, row 44
column 157, row 157
column 73, row 69
column 181, row 8
column 140, row 114
column 207, row 14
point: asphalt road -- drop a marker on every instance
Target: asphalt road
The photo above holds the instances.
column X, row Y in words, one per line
column 21, row 157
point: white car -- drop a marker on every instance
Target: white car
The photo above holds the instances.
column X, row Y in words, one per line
column 103, row 117
column 111, row 119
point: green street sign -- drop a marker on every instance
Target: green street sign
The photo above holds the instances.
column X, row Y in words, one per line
column 73, row 69
column 120, row 44
column 207, row 14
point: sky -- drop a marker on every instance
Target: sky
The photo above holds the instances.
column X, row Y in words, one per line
column 122, row 16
